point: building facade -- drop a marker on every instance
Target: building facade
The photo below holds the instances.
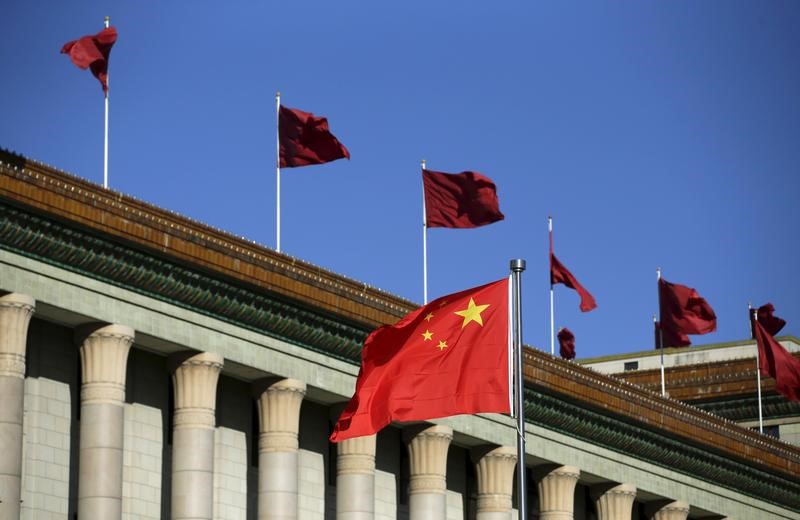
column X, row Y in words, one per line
column 153, row 367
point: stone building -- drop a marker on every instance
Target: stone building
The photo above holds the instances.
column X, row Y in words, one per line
column 154, row 367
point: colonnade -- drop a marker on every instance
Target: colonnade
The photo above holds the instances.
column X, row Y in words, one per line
column 104, row 352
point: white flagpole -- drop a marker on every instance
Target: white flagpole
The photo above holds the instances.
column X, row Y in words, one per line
column 517, row 266
column 278, row 171
column 661, row 337
column 424, row 244
column 105, row 137
column 552, row 316
column 758, row 369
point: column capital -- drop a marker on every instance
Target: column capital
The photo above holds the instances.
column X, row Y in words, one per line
column 495, row 475
column 195, row 377
column 356, row 456
column 15, row 315
column 677, row 510
column 104, row 361
column 427, row 450
column 614, row 501
column 279, row 402
column 557, row 492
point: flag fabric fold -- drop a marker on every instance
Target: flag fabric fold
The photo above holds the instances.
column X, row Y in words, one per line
column 459, row 200
column 775, row 361
column 683, row 311
column 566, row 343
column 92, row 52
column 670, row 338
column 449, row 357
column 306, row 139
column 771, row 323
column 560, row 274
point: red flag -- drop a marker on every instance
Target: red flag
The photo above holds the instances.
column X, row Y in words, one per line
column 459, row 200
column 670, row 339
column 560, row 274
column 777, row 362
column 306, row 139
column 449, row 357
column 92, row 52
column 566, row 343
column 683, row 312
column 771, row 323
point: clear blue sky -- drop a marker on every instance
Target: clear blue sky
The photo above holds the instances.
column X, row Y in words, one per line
column 656, row 134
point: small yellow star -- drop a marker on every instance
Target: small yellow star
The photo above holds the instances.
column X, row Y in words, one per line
column 472, row 313
column 443, row 304
column 442, row 345
column 429, row 316
column 427, row 335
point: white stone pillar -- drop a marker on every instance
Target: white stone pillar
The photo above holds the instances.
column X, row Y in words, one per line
column 677, row 510
column 427, row 454
column 557, row 493
column 495, row 475
column 104, row 361
column 615, row 503
column 355, row 479
column 195, row 380
column 15, row 315
column 279, row 421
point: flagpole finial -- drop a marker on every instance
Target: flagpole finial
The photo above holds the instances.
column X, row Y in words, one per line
column 277, row 93
column 107, row 21
column 517, row 265
column 658, row 272
column 422, row 162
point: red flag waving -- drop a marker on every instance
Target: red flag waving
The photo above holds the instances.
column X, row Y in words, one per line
column 92, row 52
column 777, row 362
column 460, row 200
column 449, row 357
column 771, row 323
column 306, row 139
column 683, row 311
column 670, row 339
column 560, row 274
column 566, row 343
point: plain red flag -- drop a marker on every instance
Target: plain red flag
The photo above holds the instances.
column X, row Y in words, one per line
column 566, row 343
column 92, row 52
column 777, row 362
column 449, row 357
column 766, row 317
column 306, row 139
column 459, row 200
column 683, row 311
column 670, row 339
column 560, row 274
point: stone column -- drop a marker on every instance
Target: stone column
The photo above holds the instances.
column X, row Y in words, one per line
column 557, row 493
column 355, row 479
column 427, row 454
column 195, row 379
column 615, row 503
column 672, row 511
column 15, row 315
column 104, row 361
column 495, row 474
column 279, row 421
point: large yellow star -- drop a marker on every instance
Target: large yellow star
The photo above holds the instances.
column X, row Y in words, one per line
column 472, row 313
column 428, row 335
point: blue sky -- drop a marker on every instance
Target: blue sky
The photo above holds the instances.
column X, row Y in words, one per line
column 655, row 133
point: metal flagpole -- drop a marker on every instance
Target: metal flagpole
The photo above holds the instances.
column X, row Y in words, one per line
column 552, row 317
column 105, row 138
column 661, row 336
column 424, row 244
column 278, row 171
column 754, row 317
column 517, row 266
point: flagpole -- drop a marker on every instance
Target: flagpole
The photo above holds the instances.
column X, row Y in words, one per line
column 517, row 266
column 661, row 336
column 754, row 317
column 552, row 316
column 424, row 244
column 105, row 135
column 278, row 171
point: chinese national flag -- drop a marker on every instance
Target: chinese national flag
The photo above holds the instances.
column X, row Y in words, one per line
column 560, row 274
column 306, row 139
column 459, row 200
column 777, row 362
column 766, row 317
column 447, row 358
column 670, row 338
column 566, row 343
column 683, row 311
column 92, row 52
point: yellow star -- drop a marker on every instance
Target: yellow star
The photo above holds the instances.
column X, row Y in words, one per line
column 427, row 335
column 442, row 345
column 472, row 313
column 443, row 304
column 429, row 316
